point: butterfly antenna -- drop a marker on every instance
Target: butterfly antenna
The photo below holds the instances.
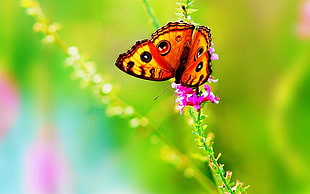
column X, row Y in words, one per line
column 161, row 93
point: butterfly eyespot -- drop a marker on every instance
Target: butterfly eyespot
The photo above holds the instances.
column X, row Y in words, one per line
column 178, row 38
column 164, row 47
column 130, row 64
column 199, row 66
column 198, row 53
column 146, row 56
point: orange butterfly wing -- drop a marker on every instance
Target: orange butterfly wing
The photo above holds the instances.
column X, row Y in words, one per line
column 170, row 41
column 198, row 67
column 157, row 58
column 143, row 62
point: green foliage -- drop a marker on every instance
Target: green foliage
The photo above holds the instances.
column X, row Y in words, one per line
column 185, row 10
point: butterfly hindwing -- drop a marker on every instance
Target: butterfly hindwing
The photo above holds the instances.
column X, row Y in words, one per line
column 198, row 67
column 141, row 61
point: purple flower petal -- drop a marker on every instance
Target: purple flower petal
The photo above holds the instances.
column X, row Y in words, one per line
column 214, row 56
column 9, row 103
column 211, row 50
column 211, row 80
column 188, row 97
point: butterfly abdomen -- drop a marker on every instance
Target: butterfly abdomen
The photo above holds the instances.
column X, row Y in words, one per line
column 181, row 67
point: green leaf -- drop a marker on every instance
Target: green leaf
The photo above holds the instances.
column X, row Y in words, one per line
column 189, row 11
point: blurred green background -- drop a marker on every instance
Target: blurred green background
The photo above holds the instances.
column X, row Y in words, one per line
column 261, row 126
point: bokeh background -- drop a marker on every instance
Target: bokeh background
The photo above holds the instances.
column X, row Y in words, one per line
column 56, row 137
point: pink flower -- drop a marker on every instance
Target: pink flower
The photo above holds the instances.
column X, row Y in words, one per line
column 211, row 50
column 195, row 101
column 183, row 93
column 182, row 89
column 209, row 96
column 211, row 80
column 45, row 170
column 9, row 103
column 188, row 97
column 214, row 56
column 303, row 25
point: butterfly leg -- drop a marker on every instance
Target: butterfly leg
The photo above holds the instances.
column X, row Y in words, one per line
column 197, row 90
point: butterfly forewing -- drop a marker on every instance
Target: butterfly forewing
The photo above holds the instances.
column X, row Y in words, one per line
column 170, row 41
column 140, row 62
column 198, row 66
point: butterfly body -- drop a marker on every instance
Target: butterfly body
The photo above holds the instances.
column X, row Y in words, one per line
column 178, row 50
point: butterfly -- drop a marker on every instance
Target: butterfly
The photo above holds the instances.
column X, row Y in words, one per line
column 178, row 49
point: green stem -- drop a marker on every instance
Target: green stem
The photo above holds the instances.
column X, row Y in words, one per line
column 217, row 170
column 151, row 14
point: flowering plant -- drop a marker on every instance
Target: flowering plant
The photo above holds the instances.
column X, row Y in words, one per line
column 189, row 97
column 196, row 99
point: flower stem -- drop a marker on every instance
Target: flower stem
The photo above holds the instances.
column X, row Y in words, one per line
column 151, row 14
column 205, row 142
column 184, row 11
